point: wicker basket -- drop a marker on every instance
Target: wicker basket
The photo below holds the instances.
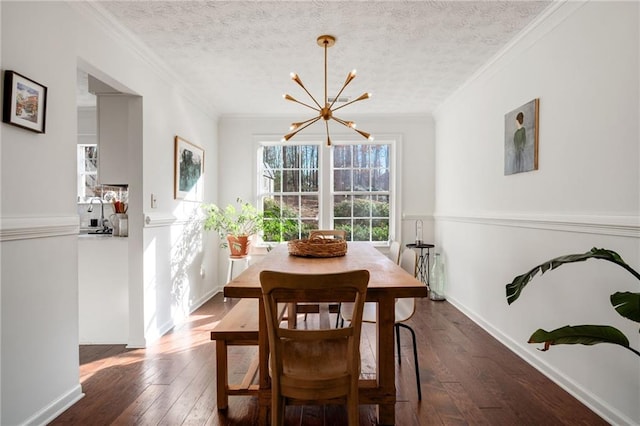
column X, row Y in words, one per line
column 318, row 247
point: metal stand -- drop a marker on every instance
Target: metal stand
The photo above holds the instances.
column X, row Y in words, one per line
column 423, row 260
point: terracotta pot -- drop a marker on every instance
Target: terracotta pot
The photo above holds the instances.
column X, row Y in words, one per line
column 238, row 245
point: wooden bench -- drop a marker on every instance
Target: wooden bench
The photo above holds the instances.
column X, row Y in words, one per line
column 239, row 327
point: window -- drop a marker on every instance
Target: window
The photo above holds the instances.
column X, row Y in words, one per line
column 289, row 188
column 360, row 191
column 87, row 171
column 348, row 186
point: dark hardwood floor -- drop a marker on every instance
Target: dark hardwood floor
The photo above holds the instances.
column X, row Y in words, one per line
column 467, row 378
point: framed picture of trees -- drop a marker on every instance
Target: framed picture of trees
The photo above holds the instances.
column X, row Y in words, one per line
column 188, row 171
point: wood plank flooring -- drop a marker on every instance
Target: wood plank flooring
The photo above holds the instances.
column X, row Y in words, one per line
column 468, row 378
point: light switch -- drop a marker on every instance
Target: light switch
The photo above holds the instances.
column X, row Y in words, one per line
column 154, row 201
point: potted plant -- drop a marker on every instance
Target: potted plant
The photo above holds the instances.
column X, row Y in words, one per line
column 626, row 304
column 234, row 225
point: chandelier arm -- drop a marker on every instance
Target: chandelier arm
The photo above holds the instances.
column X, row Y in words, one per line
column 302, row 123
column 292, row 99
column 364, row 134
column 350, row 77
column 295, row 77
column 341, row 121
column 346, row 124
column 308, row 93
column 361, row 98
column 292, row 134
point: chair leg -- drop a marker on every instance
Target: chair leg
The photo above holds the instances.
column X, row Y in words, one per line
column 277, row 409
column 398, row 343
column 352, row 411
column 415, row 357
column 338, row 315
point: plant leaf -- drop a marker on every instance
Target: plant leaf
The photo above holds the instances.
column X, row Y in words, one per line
column 514, row 289
column 579, row 334
column 627, row 304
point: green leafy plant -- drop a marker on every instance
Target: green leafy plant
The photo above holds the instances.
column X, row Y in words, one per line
column 244, row 219
column 627, row 304
column 241, row 220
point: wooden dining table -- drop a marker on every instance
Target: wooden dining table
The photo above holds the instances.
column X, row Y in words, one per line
column 387, row 282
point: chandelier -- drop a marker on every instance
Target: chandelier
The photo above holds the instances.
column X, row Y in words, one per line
column 327, row 111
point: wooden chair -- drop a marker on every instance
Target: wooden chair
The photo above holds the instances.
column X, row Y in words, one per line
column 404, row 310
column 314, row 366
column 328, row 233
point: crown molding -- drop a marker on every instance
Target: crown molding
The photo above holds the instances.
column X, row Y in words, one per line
column 93, row 11
column 549, row 19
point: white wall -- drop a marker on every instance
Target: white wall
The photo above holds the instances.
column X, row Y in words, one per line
column 39, row 245
column 582, row 62
column 415, row 136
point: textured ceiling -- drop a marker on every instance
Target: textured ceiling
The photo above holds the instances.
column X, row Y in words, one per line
column 410, row 55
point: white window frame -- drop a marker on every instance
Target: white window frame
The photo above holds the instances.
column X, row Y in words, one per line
column 325, row 176
column 392, row 187
column 81, row 171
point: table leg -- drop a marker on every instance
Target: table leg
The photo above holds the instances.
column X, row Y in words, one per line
column 386, row 361
column 264, row 381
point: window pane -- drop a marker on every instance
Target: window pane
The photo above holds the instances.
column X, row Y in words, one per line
column 342, row 180
column 360, row 156
column 342, row 156
column 380, row 230
column 342, row 206
column 310, row 207
column 362, row 206
column 345, row 225
column 380, row 180
column 380, row 156
column 309, row 180
column 91, row 165
column 272, row 156
column 291, row 206
column 380, row 206
column 361, row 180
column 291, row 181
column 307, row 226
column 309, row 156
column 361, row 230
column 291, row 157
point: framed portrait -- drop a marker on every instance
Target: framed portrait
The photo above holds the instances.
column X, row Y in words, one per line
column 189, row 170
column 25, row 102
column 521, row 138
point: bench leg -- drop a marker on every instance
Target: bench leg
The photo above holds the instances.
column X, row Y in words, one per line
column 222, row 373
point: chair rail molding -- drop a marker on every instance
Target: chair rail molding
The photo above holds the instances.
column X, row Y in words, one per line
column 613, row 225
column 27, row 227
column 156, row 220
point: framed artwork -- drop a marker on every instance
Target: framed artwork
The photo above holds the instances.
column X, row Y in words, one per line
column 25, row 102
column 521, row 138
column 189, row 170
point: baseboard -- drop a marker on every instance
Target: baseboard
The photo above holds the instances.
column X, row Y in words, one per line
column 57, row 407
column 608, row 413
column 204, row 299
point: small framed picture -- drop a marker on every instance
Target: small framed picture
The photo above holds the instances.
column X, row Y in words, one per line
column 25, row 102
column 521, row 138
column 189, row 170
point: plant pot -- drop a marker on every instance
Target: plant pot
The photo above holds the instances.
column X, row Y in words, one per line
column 238, row 245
